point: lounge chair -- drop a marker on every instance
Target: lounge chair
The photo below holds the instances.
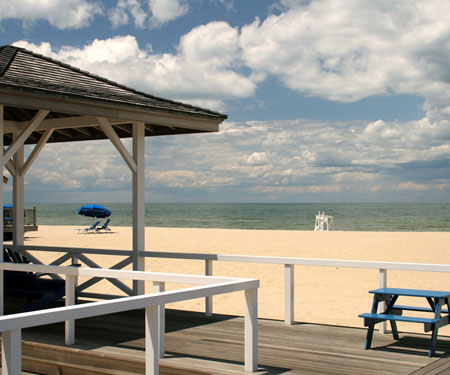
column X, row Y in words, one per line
column 104, row 226
column 91, row 228
column 31, row 285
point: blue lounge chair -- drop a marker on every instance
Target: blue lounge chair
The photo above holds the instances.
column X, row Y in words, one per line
column 29, row 285
column 104, row 226
column 91, row 228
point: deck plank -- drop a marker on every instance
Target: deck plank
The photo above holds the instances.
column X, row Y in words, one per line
column 196, row 344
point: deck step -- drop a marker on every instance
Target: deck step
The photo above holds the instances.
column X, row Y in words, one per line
column 46, row 359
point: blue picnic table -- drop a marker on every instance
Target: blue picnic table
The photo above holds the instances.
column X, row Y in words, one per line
column 394, row 312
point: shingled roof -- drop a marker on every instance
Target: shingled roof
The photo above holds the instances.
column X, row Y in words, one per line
column 30, row 82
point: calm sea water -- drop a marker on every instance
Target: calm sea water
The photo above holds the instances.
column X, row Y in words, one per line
column 273, row 216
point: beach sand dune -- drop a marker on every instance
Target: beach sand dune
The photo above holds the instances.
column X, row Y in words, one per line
column 325, row 295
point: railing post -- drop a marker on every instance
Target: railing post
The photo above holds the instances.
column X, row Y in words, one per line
column 251, row 330
column 289, row 294
column 208, row 300
column 75, row 263
column 158, row 287
column 151, row 341
column 70, row 300
column 383, row 284
column 12, row 352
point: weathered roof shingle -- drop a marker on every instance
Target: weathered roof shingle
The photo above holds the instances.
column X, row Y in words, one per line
column 30, row 82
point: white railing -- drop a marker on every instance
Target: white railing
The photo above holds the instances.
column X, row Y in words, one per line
column 288, row 263
column 12, row 325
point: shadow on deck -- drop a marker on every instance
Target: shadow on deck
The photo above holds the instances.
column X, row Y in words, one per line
column 195, row 344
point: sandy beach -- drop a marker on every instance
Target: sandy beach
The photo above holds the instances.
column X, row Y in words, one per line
column 323, row 294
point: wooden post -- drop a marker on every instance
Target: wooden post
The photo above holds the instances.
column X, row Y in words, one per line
column 151, row 341
column 70, row 300
column 1, row 211
column 383, row 284
column 289, row 294
column 209, row 299
column 251, row 330
column 158, row 287
column 138, row 203
column 12, row 352
column 18, row 197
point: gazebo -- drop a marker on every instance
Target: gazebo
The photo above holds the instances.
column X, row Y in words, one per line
column 43, row 100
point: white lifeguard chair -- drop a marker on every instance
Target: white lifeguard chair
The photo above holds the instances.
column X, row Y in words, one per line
column 323, row 222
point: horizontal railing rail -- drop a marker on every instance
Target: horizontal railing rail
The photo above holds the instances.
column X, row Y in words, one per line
column 288, row 262
column 401, row 266
column 12, row 325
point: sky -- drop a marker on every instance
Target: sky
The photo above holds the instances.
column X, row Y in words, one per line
column 327, row 100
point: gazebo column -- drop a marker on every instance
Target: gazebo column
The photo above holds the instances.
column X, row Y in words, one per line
column 136, row 163
column 18, row 197
column 16, row 151
column 138, row 203
column 1, row 210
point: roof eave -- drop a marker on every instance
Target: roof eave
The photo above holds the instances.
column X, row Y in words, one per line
column 72, row 104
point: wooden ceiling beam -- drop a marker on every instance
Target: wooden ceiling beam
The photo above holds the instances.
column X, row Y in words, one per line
column 123, row 128
column 83, row 130
column 63, row 132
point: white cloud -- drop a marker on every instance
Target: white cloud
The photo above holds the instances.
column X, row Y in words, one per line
column 164, row 11
column 408, row 185
column 342, row 51
column 119, row 15
column 360, row 168
column 63, row 14
column 258, row 158
column 204, row 70
column 346, row 51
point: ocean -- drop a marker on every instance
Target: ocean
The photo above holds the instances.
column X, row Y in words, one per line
column 420, row 217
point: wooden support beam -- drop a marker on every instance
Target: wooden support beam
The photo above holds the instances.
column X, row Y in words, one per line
column 115, row 140
column 20, row 140
column 178, row 120
column 10, row 167
column 37, row 149
column 75, row 122
column 138, row 203
column 18, row 196
column 83, row 131
column 64, row 132
column 123, row 128
column 2, row 299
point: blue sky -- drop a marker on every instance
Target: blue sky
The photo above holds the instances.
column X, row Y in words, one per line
column 328, row 101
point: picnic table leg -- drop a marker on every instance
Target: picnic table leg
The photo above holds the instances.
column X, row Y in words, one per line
column 433, row 341
column 369, row 335
column 394, row 329
column 437, row 303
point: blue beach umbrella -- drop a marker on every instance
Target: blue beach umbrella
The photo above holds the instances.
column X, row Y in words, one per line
column 94, row 210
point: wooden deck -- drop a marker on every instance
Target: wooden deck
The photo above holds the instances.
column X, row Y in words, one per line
column 195, row 344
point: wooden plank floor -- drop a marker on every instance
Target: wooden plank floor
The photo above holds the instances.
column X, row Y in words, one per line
column 215, row 346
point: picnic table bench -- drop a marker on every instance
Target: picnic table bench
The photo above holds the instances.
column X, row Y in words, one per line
column 394, row 313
